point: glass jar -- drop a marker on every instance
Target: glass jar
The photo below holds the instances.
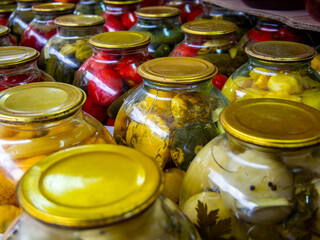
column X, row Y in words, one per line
column 243, row 21
column 18, row 66
column 260, row 179
column 42, row 27
column 212, row 40
column 115, row 196
column 112, row 69
column 276, row 69
column 162, row 25
column 21, row 17
column 190, row 9
column 95, row 7
column 66, row 51
column 36, row 120
column 173, row 113
column 120, row 15
column 6, row 8
column 149, row 3
column 271, row 30
column 5, row 37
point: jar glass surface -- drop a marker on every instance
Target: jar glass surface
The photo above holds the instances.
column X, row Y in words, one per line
column 119, row 15
column 276, row 78
column 258, row 191
column 66, row 51
column 38, row 119
column 90, row 7
column 190, row 9
column 5, row 11
column 111, row 71
column 165, row 31
column 171, row 120
column 42, row 27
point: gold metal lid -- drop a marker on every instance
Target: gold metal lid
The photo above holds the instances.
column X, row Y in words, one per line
column 123, row 2
column 177, row 70
column 120, row 40
column 280, row 51
column 4, row 30
column 79, row 20
column 15, row 55
column 40, row 102
column 209, row 27
column 53, row 7
column 90, row 186
column 7, row 8
column 6, row 2
column 272, row 123
column 157, row 12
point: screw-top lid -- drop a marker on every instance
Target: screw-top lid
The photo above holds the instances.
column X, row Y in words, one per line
column 272, row 123
column 53, row 7
column 157, row 12
column 15, row 55
column 79, row 20
column 90, row 186
column 177, row 70
column 280, row 51
column 123, row 2
column 4, row 30
column 120, row 40
column 40, row 102
column 209, row 27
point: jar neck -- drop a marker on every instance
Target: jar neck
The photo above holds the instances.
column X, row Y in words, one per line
column 120, row 52
column 49, row 15
column 210, row 41
column 79, row 31
column 89, row 1
column 24, row 6
column 278, row 66
column 269, row 25
column 154, row 22
column 26, row 68
column 197, row 86
column 122, row 8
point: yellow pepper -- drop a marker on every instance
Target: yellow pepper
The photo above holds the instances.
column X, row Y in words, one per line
column 261, row 82
column 7, row 189
column 311, row 97
column 8, row 214
column 285, row 82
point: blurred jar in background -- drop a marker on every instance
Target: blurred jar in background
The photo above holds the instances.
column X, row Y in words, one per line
column 90, row 7
column 6, row 8
column 190, row 9
column 5, row 38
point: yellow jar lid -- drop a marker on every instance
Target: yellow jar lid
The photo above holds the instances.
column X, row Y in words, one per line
column 272, row 123
column 7, row 8
column 209, row 27
column 280, row 51
column 177, row 70
column 40, row 102
column 79, row 20
column 120, row 40
column 15, row 55
column 4, row 30
column 5, row 2
column 123, row 2
column 90, row 186
column 53, row 7
column 157, row 12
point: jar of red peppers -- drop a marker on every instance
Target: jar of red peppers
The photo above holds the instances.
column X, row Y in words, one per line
column 120, row 15
column 21, row 17
column 6, row 8
column 190, row 9
column 90, row 7
column 212, row 40
column 112, row 69
column 5, row 37
column 66, row 51
column 271, row 30
column 42, row 27
column 162, row 25
column 18, row 65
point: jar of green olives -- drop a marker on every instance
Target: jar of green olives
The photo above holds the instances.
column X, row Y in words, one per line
column 276, row 69
column 21, row 17
column 173, row 113
column 162, row 24
column 260, row 180
column 66, row 51
column 212, row 40
column 104, row 192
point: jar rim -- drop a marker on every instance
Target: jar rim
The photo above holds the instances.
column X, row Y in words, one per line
column 280, row 51
column 16, row 55
column 89, row 203
column 157, row 12
column 272, row 122
column 53, row 7
column 40, row 102
column 4, row 30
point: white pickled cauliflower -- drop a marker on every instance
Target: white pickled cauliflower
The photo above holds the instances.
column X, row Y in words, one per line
column 257, row 187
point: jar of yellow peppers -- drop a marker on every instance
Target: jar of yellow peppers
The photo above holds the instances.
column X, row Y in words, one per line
column 38, row 119
column 276, row 69
column 174, row 113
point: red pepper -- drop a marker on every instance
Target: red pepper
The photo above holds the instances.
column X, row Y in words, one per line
column 130, row 75
column 128, row 19
column 219, row 80
column 95, row 110
column 112, row 23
